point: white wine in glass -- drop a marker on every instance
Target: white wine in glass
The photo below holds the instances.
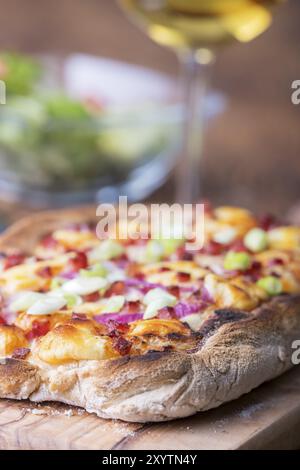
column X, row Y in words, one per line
column 196, row 29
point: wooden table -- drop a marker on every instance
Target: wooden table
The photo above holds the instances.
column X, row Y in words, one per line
column 267, row 418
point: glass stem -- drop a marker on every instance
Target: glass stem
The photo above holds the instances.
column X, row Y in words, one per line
column 195, row 72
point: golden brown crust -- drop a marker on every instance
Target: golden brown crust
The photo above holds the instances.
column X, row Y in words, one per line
column 24, row 235
column 232, row 356
column 18, row 379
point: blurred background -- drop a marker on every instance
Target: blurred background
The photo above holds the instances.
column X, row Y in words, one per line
column 252, row 140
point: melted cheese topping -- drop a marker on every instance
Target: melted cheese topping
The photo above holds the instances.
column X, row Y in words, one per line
column 11, row 338
column 157, row 327
column 74, row 341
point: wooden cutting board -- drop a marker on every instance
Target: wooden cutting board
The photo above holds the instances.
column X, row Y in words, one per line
column 267, row 418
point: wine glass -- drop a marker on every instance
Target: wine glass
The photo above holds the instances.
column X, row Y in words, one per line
column 196, row 29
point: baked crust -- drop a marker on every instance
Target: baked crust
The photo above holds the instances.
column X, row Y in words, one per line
column 234, row 354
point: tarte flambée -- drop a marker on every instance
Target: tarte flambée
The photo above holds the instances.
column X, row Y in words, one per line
column 141, row 330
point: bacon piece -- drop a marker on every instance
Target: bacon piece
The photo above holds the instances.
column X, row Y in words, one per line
column 13, row 260
column 167, row 348
column 20, row 353
column 164, row 269
column 38, row 329
column 115, row 326
column 94, row 297
column 121, row 345
column 268, row 221
column 133, row 306
column 2, row 321
column 276, row 262
column 117, row 288
column 49, row 242
column 45, row 272
column 166, row 313
column 183, row 277
column 174, row 290
column 133, row 270
column 78, row 262
column 212, row 248
column 186, row 256
column 79, row 316
column 254, row 272
column 238, row 246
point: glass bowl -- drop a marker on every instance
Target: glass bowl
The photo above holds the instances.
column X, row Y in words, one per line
column 126, row 145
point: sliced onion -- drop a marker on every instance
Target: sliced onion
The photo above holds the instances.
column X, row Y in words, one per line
column 47, row 305
column 68, row 275
column 159, row 294
column 25, row 300
column 194, row 321
column 106, row 250
column 119, row 317
column 84, row 286
column 114, row 304
column 206, row 296
column 142, row 285
column 183, row 309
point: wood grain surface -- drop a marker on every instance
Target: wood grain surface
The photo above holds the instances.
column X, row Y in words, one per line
column 267, row 418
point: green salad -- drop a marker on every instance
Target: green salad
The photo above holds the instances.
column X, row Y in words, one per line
column 49, row 139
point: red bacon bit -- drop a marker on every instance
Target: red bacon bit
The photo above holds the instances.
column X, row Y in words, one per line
column 133, row 270
column 186, row 256
column 212, row 248
column 2, row 321
column 122, row 258
column 268, row 221
column 238, row 246
column 117, row 288
column 79, row 316
column 195, row 297
column 94, row 297
column 78, row 262
column 183, row 277
column 166, row 313
column 133, row 306
column 45, row 272
column 174, row 290
column 49, row 242
column 116, row 329
column 20, row 353
column 276, row 262
column 164, row 269
column 38, row 329
column 275, row 274
column 121, row 345
column 254, row 272
column 13, row 260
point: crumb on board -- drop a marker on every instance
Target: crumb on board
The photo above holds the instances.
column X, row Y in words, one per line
column 54, row 410
column 250, row 410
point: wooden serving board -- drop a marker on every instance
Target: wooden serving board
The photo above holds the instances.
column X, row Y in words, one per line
column 267, row 418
